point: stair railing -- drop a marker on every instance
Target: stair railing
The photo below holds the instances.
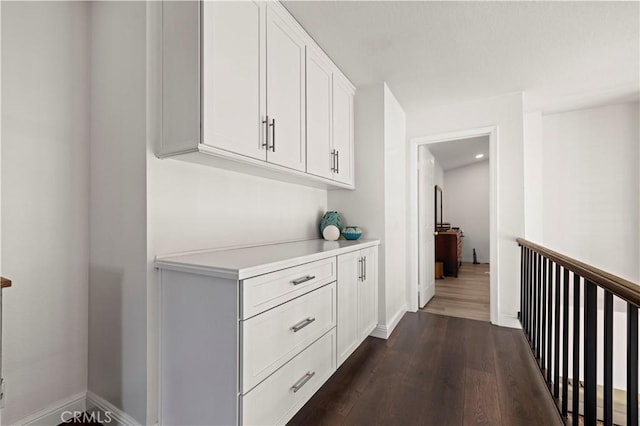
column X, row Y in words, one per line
column 549, row 282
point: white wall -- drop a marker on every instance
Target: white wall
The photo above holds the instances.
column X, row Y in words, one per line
column 591, row 187
column 395, row 205
column 117, row 264
column 45, row 199
column 506, row 113
column 533, row 177
column 466, row 205
column 438, row 175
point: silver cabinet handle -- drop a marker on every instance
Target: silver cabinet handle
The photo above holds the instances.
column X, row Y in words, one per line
column 266, row 133
column 337, row 161
column 360, row 261
column 273, row 134
column 302, row 324
column 364, row 268
column 303, row 279
column 333, row 160
column 303, row 381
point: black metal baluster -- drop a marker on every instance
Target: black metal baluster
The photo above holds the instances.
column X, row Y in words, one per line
column 538, row 314
column 608, row 358
column 556, row 336
column 575, row 414
column 530, row 320
column 534, row 340
column 565, row 344
column 531, row 266
column 550, row 322
column 525, row 316
column 590, row 354
column 632, row 364
column 520, row 317
column 543, row 357
column 524, row 291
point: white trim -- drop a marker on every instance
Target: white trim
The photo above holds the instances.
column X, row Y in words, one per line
column 52, row 415
column 98, row 404
column 383, row 331
column 414, row 144
column 508, row 321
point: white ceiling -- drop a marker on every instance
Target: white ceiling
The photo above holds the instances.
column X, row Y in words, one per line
column 460, row 153
column 563, row 55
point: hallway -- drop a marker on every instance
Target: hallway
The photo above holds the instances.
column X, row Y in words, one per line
column 466, row 296
column 436, row 370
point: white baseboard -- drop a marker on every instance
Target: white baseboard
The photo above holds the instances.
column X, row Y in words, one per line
column 383, row 331
column 52, row 415
column 106, row 410
column 508, row 321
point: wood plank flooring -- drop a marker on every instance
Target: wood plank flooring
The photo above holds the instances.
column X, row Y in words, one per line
column 436, row 370
column 464, row 297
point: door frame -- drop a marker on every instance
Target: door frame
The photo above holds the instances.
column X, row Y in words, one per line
column 414, row 144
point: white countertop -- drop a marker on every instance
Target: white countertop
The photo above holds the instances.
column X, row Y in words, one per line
column 245, row 262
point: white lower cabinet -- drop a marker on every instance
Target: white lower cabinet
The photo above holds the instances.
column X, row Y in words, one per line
column 277, row 399
column 252, row 344
column 357, row 299
column 272, row 338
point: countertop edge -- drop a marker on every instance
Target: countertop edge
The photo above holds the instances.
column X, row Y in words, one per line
column 162, row 263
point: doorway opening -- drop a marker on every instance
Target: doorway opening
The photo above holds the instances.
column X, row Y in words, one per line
column 453, row 222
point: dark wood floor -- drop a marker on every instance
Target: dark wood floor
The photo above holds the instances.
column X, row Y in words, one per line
column 436, row 370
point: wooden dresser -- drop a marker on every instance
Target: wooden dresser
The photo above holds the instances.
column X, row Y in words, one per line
column 449, row 251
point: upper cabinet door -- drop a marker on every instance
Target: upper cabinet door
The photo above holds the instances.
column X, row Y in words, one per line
column 233, row 77
column 285, row 92
column 319, row 87
column 343, row 132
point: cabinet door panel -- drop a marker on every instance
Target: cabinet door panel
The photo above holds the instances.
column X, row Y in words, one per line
column 343, row 131
column 285, row 93
column 319, row 88
column 233, row 80
column 367, row 303
column 347, row 321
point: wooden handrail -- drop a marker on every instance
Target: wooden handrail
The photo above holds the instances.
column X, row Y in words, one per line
column 5, row 282
column 620, row 287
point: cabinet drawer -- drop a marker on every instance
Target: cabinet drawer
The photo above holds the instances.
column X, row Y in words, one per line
column 274, row 337
column 266, row 291
column 278, row 398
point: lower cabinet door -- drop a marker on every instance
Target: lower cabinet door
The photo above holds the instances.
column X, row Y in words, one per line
column 276, row 400
column 349, row 278
column 367, row 300
column 274, row 337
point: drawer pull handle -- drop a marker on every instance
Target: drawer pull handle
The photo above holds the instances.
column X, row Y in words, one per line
column 302, row 324
column 300, row 383
column 303, row 279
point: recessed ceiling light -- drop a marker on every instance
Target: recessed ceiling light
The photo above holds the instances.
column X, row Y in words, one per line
column 479, row 155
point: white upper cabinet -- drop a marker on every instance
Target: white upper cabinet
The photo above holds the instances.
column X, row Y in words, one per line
column 233, row 89
column 236, row 94
column 343, row 132
column 285, row 92
column 320, row 159
column 329, row 121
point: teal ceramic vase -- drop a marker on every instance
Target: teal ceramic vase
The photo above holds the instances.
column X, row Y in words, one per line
column 331, row 218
